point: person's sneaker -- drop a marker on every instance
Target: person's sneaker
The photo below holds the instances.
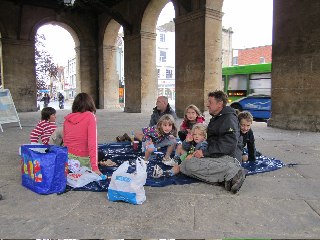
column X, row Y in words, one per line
column 169, row 161
column 157, row 171
column 238, row 180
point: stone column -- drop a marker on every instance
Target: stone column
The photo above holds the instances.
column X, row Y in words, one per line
column 132, row 73
column 110, row 87
column 18, row 65
column 198, row 62
column 140, row 72
column 87, row 71
column 295, row 65
column 149, row 74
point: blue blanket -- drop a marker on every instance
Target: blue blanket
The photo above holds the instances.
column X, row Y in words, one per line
column 123, row 151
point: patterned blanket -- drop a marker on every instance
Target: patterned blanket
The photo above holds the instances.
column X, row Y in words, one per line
column 119, row 152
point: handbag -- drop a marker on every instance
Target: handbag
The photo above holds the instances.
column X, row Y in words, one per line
column 128, row 187
column 44, row 168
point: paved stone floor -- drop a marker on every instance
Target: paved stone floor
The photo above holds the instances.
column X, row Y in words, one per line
column 280, row 204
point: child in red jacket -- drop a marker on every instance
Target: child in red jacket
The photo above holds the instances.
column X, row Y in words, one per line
column 192, row 115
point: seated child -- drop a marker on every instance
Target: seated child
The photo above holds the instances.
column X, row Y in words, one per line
column 192, row 115
column 245, row 120
column 45, row 127
column 194, row 141
column 161, row 135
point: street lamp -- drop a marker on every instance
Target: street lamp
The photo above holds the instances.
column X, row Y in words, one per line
column 68, row 2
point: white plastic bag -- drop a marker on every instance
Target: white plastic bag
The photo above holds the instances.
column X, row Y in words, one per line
column 128, row 187
column 82, row 177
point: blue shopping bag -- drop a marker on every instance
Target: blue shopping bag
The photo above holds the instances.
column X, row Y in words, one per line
column 44, row 168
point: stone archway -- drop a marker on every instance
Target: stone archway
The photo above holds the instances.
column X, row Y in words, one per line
column 149, row 77
column 109, row 80
column 75, row 38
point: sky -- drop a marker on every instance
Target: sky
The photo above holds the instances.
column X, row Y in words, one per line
column 59, row 43
column 250, row 20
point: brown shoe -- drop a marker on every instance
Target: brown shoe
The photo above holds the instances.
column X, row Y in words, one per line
column 126, row 137
column 120, row 139
column 238, row 180
column 227, row 185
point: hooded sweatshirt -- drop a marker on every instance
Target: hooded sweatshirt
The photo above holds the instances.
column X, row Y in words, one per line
column 80, row 136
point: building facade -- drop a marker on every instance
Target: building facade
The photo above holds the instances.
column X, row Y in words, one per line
column 70, row 78
column 255, row 55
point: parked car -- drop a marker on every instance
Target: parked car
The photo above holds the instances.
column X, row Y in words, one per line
column 258, row 105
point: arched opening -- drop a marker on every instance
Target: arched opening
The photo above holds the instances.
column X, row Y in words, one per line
column 113, row 76
column 150, row 63
column 56, row 63
column 165, row 56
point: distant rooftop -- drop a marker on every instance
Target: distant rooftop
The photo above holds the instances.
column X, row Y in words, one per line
column 167, row 27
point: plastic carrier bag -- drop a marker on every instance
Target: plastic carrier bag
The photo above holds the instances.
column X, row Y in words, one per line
column 82, row 177
column 128, row 187
column 44, row 168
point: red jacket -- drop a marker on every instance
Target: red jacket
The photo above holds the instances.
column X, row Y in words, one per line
column 187, row 125
column 80, row 136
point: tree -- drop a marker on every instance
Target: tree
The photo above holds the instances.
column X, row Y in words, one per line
column 45, row 67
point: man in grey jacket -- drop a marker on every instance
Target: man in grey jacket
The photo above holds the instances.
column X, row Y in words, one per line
column 162, row 108
column 219, row 163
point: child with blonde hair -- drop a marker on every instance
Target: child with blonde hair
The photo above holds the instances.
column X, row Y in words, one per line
column 245, row 121
column 194, row 141
column 192, row 115
column 162, row 134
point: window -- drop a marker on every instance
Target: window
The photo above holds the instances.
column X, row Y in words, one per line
column 162, row 37
column 158, row 70
column 163, row 56
column 168, row 73
column 262, row 60
column 235, row 61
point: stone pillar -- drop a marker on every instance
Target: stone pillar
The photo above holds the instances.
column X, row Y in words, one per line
column 110, row 87
column 149, row 74
column 140, row 72
column 295, row 65
column 132, row 73
column 198, row 63
column 18, row 59
column 87, row 71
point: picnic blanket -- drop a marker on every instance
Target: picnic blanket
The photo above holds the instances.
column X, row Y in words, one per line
column 119, row 152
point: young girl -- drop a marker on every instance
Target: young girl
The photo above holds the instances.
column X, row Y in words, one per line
column 194, row 141
column 192, row 115
column 245, row 120
column 45, row 127
column 161, row 135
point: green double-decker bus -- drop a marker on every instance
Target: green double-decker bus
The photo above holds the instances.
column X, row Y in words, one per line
column 240, row 81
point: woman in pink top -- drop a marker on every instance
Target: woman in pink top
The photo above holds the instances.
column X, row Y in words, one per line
column 80, row 132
